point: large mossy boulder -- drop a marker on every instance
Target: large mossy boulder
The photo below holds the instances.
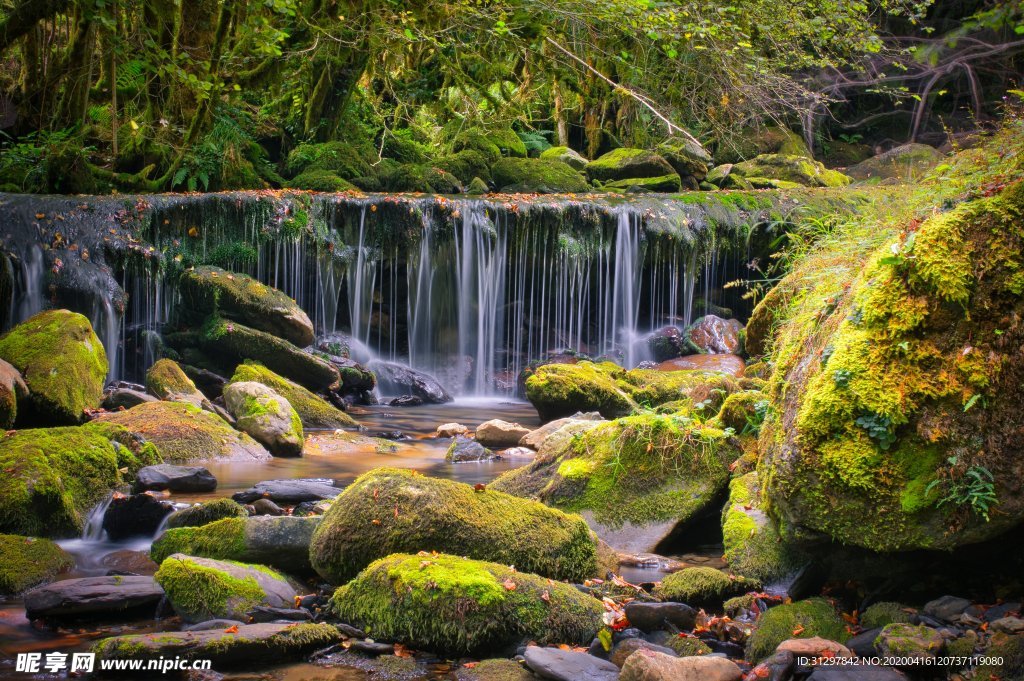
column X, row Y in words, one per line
column 688, row 158
column 637, row 480
column 458, row 606
column 343, row 159
column 205, row 513
column 183, row 433
column 537, row 176
column 166, row 380
column 571, row 158
column 238, row 343
column 797, row 169
column 319, row 180
column 201, row 589
column 278, row 541
column 314, row 411
column 703, row 587
column 239, row 297
column 814, row 617
column 560, row 390
column 907, row 163
column 266, row 416
column 26, row 562
column 53, row 477
column 625, row 163
column 63, row 364
column 753, row 545
column 898, row 400
column 391, row 510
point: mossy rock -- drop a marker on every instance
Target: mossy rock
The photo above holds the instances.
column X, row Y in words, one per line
column 559, row 390
column 167, row 381
column 687, row 157
column 477, row 187
column 281, row 542
column 53, row 477
column 206, row 513
column 239, row 297
column 419, row 177
column 571, row 158
column 908, row 163
column 772, row 139
column 63, row 363
column 907, row 367
column 314, row 411
column 266, row 416
column 320, row 180
column 636, row 479
column 494, row 670
column 752, row 542
column 703, row 587
column 458, row 606
column 809, row 618
column 537, row 176
column 201, row 589
column 687, row 646
column 625, row 163
column 399, row 511
column 183, row 433
column 343, row 159
column 759, row 331
column 665, row 183
column 795, row 169
column 239, row 343
column 467, row 165
column 742, row 411
column 884, row 613
column 1009, row 652
column 26, row 562
column 12, row 389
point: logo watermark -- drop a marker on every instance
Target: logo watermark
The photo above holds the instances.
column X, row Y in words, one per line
column 53, row 663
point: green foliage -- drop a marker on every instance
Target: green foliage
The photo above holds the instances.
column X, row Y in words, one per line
column 973, row 488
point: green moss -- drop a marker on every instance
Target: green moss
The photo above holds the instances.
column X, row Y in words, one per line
column 743, row 411
column 531, row 175
column 166, row 380
column 346, row 160
column 624, row 163
column 688, row 646
column 63, row 364
column 812, row 617
column 314, row 411
column 220, row 539
column 206, row 513
column 753, row 545
column 200, row 592
column 320, row 180
column 881, row 614
column 703, row 586
column 664, row 183
column 494, row 670
column 460, row 606
column 792, row 169
column 393, row 511
column 26, row 562
column 1008, row 654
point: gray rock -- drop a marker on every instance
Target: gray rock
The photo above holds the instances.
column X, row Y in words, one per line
column 498, row 434
column 947, row 608
column 266, row 507
column 138, row 515
column 863, row 644
column 910, row 642
column 778, row 667
column 92, row 596
column 398, row 379
column 212, row 624
column 649, row 617
column 125, row 398
column 566, row 665
column 372, row 647
column 289, row 491
column 1008, row 625
column 649, row 665
column 463, row 449
column 266, row 416
column 535, row 438
column 265, row 613
column 166, row 476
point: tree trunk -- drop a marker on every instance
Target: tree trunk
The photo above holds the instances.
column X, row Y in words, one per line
column 25, row 16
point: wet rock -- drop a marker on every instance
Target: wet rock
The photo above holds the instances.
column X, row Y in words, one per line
column 623, row 649
column 265, row 613
column 666, row 343
column 202, row 588
column 266, row 416
column 26, row 562
column 863, row 644
column 206, row 512
column 397, row 378
column 571, row 158
column 1008, row 625
column 650, row 617
column 712, row 334
column 703, row 586
column 251, row 644
column 372, row 647
column 498, row 434
column 537, row 176
column 267, row 507
column 1001, row 610
column 406, row 401
column 626, row 163
column 94, row 596
column 311, row 508
column 450, row 430
column 137, row 515
column 289, row 492
column 856, row 672
column 567, row 665
column 173, row 478
column 125, row 398
column 910, row 642
column 647, row 665
column 462, row 449
column 128, row 562
column 724, row 363
column 241, row 298
column 946, row 608
column 209, row 383
column 535, row 438
column 209, row 625
column 814, row 647
column 315, row 411
column 778, row 667
column 12, row 389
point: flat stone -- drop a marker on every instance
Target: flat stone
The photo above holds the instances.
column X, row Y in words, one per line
column 723, row 363
column 948, row 608
column 125, row 398
column 372, row 647
column 128, row 562
column 567, row 665
column 173, row 478
column 212, row 624
column 648, row 665
column 649, row 617
column 289, row 491
column 814, row 647
column 92, row 596
column 265, row 613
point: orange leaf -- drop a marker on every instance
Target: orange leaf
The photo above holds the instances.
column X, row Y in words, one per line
column 469, row 665
column 233, row 629
column 799, row 630
column 509, row 585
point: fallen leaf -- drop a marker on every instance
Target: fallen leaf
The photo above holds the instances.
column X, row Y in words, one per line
column 509, row 585
column 799, row 630
column 233, row 629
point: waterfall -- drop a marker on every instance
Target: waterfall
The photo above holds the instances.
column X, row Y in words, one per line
column 93, row 530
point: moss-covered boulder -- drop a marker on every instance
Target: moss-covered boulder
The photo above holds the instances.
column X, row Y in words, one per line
column 458, row 606
column 771, row 139
column 319, row 180
column 637, row 480
column 907, row 163
column 664, row 183
column 803, row 619
column 201, row 589
column 537, row 176
column 743, row 411
column 625, row 163
column 559, row 390
column 884, row 613
column 53, row 477
column 237, row 343
column 1003, row 659
column 390, row 511
column 703, row 587
column 571, row 158
column 753, row 544
column 278, row 541
column 344, row 159
column 801, row 170
column 687, row 157
column 26, row 562
column 206, row 513
column 266, row 416
column 314, row 411
column 183, row 433
column 898, row 400
column 166, row 380
column 239, row 297
column 12, row 389
column 249, row 646
column 63, row 364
